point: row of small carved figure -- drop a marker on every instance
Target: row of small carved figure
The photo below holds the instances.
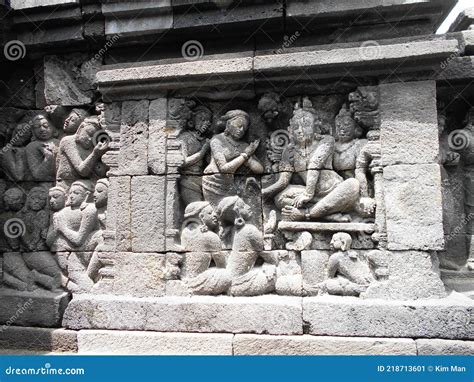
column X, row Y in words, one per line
column 49, row 221
column 249, row 270
column 35, row 154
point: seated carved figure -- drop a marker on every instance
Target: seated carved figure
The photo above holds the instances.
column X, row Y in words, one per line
column 194, row 147
column 309, row 156
column 229, row 152
column 79, row 158
column 74, row 226
column 41, row 153
column 348, row 273
column 247, row 247
column 36, row 217
column 203, row 244
column 347, row 146
column 13, row 157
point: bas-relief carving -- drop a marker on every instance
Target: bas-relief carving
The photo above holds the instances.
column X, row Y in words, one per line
column 53, row 222
column 312, row 176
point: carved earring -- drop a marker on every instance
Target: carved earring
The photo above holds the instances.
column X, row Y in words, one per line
column 239, row 221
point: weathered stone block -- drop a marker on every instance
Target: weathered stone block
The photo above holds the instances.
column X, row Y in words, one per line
column 444, row 347
column 263, row 314
column 69, row 80
column 313, row 266
column 32, row 309
column 129, row 342
column 412, row 275
column 409, row 125
column 148, row 213
column 413, row 203
column 119, row 218
column 38, row 339
column 134, row 138
column 134, row 274
column 157, row 136
column 251, row 344
column 449, row 318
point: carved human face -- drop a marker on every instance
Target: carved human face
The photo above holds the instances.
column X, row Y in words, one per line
column 77, row 196
column 100, row 195
column 345, row 129
column 340, row 242
column 202, row 121
column 72, row 122
column 13, row 199
column 237, row 127
column 37, row 200
column 85, row 136
column 57, row 200
column 209, row 217
column 302, row 128
column 42, row 130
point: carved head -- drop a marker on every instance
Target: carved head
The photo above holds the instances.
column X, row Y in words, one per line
column 346, row 127
column 232, row 210
column 85, row 134
column 202, row 119
column 78, row 194
column 57, row 198
column 101, row 193
column 14, row 199
column 21, row 135
column 304, row 124
column 37, row 199
column 205, row 213
column 74, row 119
column 269, row 105
column 341, row 241
column 236, row 123
column 42, row 129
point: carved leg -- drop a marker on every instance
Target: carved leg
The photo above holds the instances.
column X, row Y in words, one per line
column 13, row 282
column 342, row 199
column 15, row 266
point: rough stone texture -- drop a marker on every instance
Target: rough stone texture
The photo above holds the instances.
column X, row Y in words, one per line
column 263, row 314
column 128, row 342
column 449, row 318
column 413, row 203
column 69, row 80
column 148, row 212
column 409, row 125
column 127, row 266
column 313, row 267
column 412, row 275
column 42, row 309
column 249, row 344
column 157, row 136
column 444, row 347
column 134, row 138
column 120, row 213
column 38, row 339
column 22, row 4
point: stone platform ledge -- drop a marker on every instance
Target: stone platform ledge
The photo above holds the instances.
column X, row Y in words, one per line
column 38, row 308
column 326, row 227
column 222, row 314
column 448, row 318
column 38, row 339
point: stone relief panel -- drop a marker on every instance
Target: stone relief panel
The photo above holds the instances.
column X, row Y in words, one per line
column 54, row 204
